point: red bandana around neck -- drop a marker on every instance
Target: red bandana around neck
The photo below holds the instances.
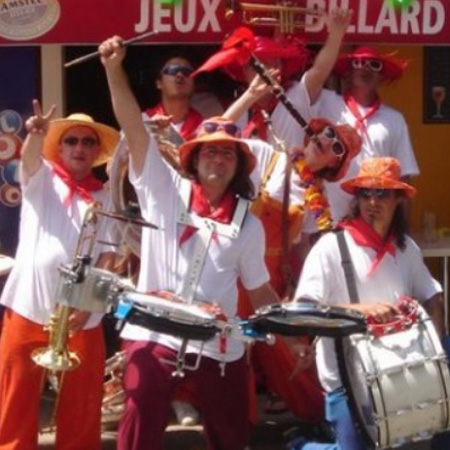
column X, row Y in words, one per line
column 82, row 187
column 200, row 206
column 257, row 124
column 191, row 122
column 352, row 105
column 365, row 236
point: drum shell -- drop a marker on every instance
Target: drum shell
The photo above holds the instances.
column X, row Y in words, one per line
column 94, row 294
column 401, row 383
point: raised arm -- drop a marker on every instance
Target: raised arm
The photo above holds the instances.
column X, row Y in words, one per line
column 125, row 105
column 317, row 75
column 37, row 127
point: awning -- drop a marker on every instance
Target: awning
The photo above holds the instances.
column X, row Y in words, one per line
column 24, row 22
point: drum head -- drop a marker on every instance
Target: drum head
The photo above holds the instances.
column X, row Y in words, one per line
column 173, row 326
column 310, row 319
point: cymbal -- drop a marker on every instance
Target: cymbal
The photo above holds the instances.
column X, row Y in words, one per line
column 6, row 264
column 124, row 217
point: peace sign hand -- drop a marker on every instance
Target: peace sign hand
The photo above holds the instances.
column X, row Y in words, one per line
column 39, row 122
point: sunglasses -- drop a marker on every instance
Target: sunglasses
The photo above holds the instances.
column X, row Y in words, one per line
column 229, row 128
column 375, row 65
column 380, row 194
column 175, row 69
column 337, row 147
column 87, row 141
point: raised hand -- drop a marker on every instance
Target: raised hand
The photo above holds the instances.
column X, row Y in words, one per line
column 39, row 122
column 112, row 51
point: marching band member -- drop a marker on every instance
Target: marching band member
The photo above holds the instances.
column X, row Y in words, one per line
column 386, row 263
column 57, row 187
column 218, row 165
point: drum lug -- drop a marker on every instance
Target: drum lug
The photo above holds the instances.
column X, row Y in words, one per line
column 180, row 360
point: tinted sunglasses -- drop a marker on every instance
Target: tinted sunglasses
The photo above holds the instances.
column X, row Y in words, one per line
column 229, row 128
column 175, row 69
column 375, row 65
column 337, row 147
column 85, row 141
column 379, row 194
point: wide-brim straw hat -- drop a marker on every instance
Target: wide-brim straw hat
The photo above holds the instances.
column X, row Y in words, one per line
column 378, row 173
column 349, row 138
column 392, row 70
column 187, row 150
column 108, row 136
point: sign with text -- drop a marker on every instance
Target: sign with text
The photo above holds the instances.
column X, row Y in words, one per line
column 209, row 21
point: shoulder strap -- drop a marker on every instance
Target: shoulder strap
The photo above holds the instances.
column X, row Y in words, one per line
column 347, row 266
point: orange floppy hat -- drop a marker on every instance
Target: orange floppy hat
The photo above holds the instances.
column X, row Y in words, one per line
column 347, row 135
column 392, row 69
column 378, row 173
column 108, row 136
column 215, row 129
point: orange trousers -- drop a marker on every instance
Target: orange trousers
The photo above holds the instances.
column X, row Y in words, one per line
column 275, row 365
column 78, row 410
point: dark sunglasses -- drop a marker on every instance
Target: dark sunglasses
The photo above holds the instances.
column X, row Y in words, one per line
column 229, row 128
column 375, row 65
column 175, row 69
column 85, row 141
column 379, row 194
column 337, row 147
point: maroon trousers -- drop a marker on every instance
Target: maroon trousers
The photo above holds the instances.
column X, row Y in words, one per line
column 149, row 387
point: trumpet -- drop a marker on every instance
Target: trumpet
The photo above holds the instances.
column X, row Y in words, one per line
column 283, row 15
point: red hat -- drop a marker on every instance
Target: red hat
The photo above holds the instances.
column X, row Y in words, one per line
column 348, row 136
column 241, row 44
column 378, row 173
column 392, row 69
column 292, row 53
column 215, row 129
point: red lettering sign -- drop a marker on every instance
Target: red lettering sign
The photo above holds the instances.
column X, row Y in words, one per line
column 207, row 21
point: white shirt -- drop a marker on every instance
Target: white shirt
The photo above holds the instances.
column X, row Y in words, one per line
column 386, row 135
column 48, row 237
column 164, row 262
column 323, row 280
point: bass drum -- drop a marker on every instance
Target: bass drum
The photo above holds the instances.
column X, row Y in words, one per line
column 124, row 197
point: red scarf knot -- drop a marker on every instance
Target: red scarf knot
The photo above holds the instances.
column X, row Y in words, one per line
column 200, row 206
column 352, row 105
column 365, row 236
column 83, row 187
column 191, row 122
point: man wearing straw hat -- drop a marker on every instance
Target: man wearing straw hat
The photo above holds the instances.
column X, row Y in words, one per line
column 58, row 187
column 386, row 264
column 212, row 196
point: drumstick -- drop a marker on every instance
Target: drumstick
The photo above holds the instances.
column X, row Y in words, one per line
column 93, row 55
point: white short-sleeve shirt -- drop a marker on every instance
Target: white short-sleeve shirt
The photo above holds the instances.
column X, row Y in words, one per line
column 323, row 280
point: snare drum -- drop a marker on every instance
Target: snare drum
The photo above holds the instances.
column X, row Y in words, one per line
column 307, row 319
column 163, row 315
column 95, row 293
column 398, row 384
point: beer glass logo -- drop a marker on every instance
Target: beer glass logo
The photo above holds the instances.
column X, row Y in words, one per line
column 21, row 20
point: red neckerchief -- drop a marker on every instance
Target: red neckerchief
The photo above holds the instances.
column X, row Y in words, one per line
column 191, row 122
column 82, row 187
column 365, row 236
column 257, row 124
column 354, row 109
column 200, row 205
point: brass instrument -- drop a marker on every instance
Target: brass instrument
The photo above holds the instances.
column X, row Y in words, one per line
column 56, row 356
column 283, row 15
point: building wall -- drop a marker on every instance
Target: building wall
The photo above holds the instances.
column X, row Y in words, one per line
column 431, row 141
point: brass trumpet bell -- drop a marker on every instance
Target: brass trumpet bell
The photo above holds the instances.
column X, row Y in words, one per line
column 284, row 15
column 53, row 360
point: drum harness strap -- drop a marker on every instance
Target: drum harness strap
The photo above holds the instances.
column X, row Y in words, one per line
column 347, row 266
column 206, row 229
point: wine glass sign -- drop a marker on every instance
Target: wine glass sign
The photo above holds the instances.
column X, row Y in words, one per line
column 438, row 96
column 436, row 85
